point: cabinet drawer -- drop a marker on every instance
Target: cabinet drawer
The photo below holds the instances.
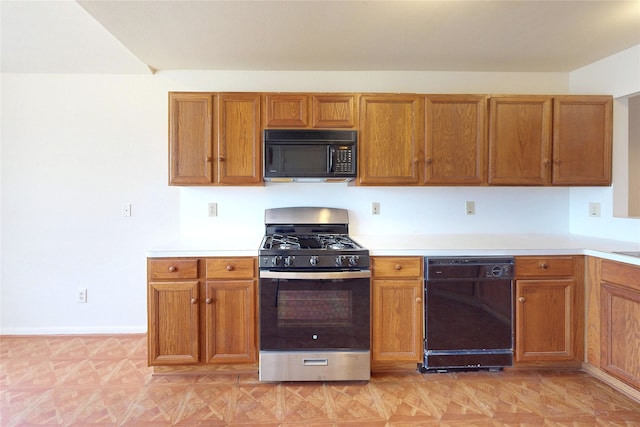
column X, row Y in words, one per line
column 622, row 274
column 394, row 267
column 230, row 268
column 545, row 266
column 173, row 269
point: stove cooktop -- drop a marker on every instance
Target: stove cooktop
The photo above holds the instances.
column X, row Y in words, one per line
column 312, row 252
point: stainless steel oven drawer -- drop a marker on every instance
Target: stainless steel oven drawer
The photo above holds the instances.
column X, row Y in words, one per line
column 315, row 366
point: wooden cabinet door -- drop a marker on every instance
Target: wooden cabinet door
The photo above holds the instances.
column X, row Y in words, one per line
column 582, row 140
column 286, row 110
column 190, row 138
column 456, row 144
column 230, row 332
column 390, row 140
column 173, row 323
column 544, row 320
column 239, row 141
column 520, row 140
column 397, row 321
column 620, row 321
column 334, row 111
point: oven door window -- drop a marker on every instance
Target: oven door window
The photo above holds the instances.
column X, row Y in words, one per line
column 314, row 314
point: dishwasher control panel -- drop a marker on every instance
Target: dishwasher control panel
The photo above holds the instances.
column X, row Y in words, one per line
column 457, row 268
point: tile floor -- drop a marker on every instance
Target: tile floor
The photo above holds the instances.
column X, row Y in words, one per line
column 105, row 381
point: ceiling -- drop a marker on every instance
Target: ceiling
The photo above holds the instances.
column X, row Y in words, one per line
column 144, row 36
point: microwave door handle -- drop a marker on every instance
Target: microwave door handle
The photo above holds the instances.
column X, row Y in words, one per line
column 332, row 155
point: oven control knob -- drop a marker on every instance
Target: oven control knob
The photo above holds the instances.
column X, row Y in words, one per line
column 353, row 260
column 339, row 260
column 313, row 260
column 288, row 261
column 276, row 260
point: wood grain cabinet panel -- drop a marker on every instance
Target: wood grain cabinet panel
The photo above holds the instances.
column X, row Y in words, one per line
column 286, row 110
column 582, row 140
column 544, row 317
column 173, row 323
column 397, row 310
column 520, row 140
column 549, row 310
column 390, row 139
column 239, row 149
column 620, row 321
column 191, row 138
column 210, row 321
column 230, row 331
column 334, row 111
column 455, row 143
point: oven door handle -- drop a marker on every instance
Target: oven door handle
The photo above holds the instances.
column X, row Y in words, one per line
column 328, row 275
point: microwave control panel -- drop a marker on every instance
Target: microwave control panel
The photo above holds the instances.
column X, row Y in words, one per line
column 343, row 159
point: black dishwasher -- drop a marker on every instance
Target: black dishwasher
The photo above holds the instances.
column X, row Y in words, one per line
column 468, row 313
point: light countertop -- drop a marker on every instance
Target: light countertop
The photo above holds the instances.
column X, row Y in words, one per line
column 421, row 245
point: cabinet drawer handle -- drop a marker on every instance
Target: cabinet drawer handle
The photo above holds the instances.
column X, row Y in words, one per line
column 229, row 267
column 208, row 301
column 522, row 299
column 172, row 269
column 194, row 300
column 398, row 267
column 543, row 265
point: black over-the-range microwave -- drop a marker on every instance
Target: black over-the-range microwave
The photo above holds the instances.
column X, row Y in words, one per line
column 310, row 154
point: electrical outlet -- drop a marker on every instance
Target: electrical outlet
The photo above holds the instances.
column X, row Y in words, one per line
column 470, row 208
column 375, row 208
column 213, row 209
column 594, row 209
column 82, row 295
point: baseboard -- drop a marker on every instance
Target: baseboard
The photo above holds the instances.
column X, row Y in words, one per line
column 621, row 386
column 75, row 330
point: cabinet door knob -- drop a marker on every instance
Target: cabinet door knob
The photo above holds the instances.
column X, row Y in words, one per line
column 522, row 299
column 221, row 158
column 544, row 265
column 194, row 300
column 229, row 267
column 208, row 301
column 428, row 160
column 208, row 159
column 398, row 267
column 172, row 268
column 418, row 299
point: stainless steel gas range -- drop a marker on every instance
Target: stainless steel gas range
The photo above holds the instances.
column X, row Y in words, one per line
column 314, row 298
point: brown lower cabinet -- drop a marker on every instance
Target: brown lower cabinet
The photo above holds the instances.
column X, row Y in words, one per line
column 620, row 321
column 202, row 311
column 396, row 310
column 549, row 311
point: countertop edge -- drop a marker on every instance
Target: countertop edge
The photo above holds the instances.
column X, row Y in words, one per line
column 437, row 245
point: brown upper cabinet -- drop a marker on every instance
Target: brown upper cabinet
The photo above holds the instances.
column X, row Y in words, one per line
column 520, row 140
column 403, row 139
column 214, row 139
column 301, row 110
column 544, row 140
column 191, row 138
column 390, row 139
column 582, row 140
column 455, row 143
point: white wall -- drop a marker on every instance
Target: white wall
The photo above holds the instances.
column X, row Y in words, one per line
column 76, row 147
column 618, row 75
